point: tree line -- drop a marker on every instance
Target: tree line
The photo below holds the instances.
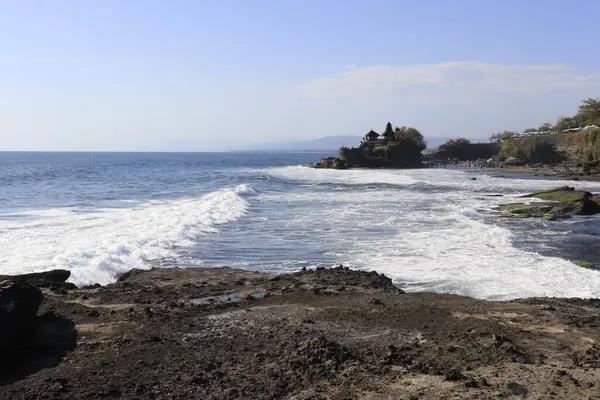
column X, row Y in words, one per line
column 588, row 114
column 405, row 136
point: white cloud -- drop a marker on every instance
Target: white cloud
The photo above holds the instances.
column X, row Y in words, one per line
column 453, row 78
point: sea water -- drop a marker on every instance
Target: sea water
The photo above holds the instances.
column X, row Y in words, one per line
column 101, row 214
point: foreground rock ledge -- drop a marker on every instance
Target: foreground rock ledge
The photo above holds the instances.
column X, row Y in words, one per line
column 335, row 334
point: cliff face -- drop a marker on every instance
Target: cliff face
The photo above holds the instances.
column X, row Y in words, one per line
column 354, row 156
column 467, row 152
column 579, row 150
column 390, row 155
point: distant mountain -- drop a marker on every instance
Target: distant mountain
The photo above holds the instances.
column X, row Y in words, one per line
column 324, row 144
column 327, row 143
column 333, row 143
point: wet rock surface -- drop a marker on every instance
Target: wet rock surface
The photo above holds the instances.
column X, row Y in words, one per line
column 325, row 334
column 559, row 203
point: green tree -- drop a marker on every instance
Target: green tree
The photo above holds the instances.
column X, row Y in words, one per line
column 545, row 127
column 389, row 132
column 500, row 137
column 456, row 148
column 565, row 123
column 410, row 136
column 589, row 112
column 530, row 130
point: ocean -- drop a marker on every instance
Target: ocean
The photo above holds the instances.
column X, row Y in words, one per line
column 101, row 214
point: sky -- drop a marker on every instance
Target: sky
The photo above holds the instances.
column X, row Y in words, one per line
column 135, row 75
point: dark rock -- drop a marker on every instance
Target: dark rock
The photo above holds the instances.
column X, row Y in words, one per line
column 341, row 276
column 473, row 179
column 43, row 345
column 155, row 339
column 454, row 376
column 472, row 383
column 129, row 274
column 18, row 310
column 94, row 286
column 56, row 275
column 55, row 279
column 331, row 162
column 376, row 302
column 57, row 387
column 516, row 389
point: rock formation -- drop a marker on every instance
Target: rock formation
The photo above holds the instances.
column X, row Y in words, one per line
column 577, row 152
column 29, row 342
column 560, row 203
column 222, row 333
column 400, row 149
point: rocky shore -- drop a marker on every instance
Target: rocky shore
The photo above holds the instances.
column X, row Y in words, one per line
column 559, row 203
column 323, row 334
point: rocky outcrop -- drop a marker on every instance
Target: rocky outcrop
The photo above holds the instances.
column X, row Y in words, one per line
column 559, row 203
column 390, row 155
column 317, row 333
column 467, row 152
column 577, row 152
column 29, row 342
column 18, row 313
column 330, row 162
column 378, row 152
column 56, row 278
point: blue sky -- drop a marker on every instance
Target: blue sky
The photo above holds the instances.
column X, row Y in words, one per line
column 216, row 75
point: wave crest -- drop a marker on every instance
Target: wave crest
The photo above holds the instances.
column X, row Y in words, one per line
column 98, row 246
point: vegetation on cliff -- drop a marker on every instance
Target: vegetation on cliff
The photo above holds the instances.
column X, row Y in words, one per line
column 463, row 150
column 500, row 137
column 589, row 112
column 574, row 140
column 456, row 148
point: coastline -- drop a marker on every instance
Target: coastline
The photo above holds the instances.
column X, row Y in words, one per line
column 542, row 172
column 550, row 172
column 335, row 333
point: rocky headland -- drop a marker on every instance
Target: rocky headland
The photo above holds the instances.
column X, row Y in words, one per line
column 315, row 334
column 395, row 148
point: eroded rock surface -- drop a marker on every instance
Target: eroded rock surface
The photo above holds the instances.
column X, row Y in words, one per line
column 332, row 333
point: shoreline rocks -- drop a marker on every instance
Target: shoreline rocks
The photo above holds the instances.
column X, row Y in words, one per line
column 56, row 279
column 559, row 203
column 338, row 333
column 29, row 342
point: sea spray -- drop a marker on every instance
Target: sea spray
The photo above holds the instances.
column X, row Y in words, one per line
column 101, row 244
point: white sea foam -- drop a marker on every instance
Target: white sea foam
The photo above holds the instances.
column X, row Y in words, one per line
column 342, row 176
column 98, row 245
column 434, row 239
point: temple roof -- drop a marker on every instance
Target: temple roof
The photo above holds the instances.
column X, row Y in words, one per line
column 372, row 134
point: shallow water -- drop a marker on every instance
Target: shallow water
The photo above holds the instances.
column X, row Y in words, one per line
column 100, row 214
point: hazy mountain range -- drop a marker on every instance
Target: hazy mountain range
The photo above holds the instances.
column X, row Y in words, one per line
column 332, row 143
column 324, row 144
